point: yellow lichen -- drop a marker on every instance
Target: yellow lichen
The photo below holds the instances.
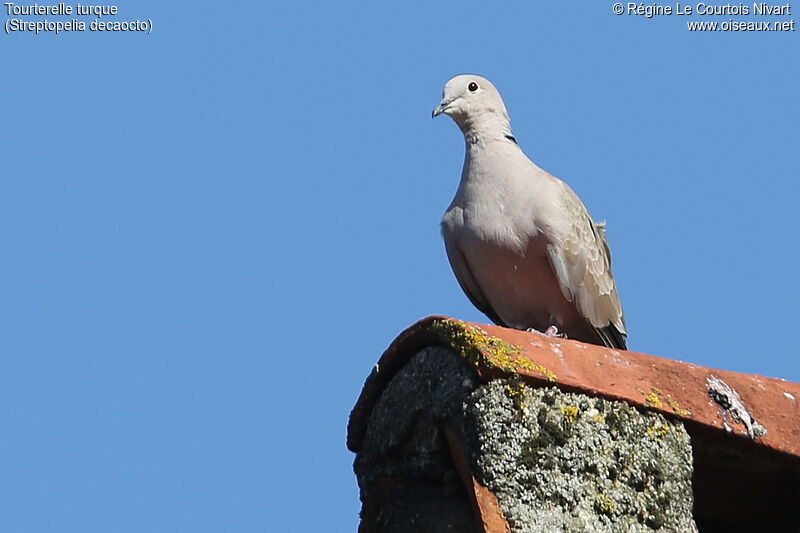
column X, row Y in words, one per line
column 606, row 505
column 570, row 413
column 653, row 400
column 477, row 346
column 658, row 430
column 516, row 391
column 599, row 419
column 676, row 406
column 530, row 366
column 515, row 388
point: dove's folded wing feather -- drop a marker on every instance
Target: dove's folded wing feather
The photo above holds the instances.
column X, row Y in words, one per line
column 582, row 262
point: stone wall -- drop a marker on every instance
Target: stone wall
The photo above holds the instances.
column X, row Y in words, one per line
column 555, row 461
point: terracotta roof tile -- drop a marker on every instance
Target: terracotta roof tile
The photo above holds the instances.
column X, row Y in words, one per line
column 758, row 409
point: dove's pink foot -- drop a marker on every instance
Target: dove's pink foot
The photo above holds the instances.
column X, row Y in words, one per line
column 551, row 331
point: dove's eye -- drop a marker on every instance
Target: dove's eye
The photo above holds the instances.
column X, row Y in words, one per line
column 472, row 87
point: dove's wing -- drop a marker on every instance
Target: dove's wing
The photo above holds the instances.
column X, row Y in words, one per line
column 582, row 262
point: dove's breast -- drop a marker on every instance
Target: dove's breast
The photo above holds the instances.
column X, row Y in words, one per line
column 520, row 287
column 497, row 230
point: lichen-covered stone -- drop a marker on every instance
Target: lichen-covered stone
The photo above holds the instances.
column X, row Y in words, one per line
column 570, row 462
column 424, row 508
column 403, row 438
column 556, row 461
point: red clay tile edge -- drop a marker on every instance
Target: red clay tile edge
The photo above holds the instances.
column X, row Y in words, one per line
column 484, row 503
column 760, row 409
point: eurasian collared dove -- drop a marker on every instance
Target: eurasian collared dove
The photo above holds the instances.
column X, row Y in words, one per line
column 520, row 241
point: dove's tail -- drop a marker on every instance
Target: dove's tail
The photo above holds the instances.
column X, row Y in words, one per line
column 612, row 337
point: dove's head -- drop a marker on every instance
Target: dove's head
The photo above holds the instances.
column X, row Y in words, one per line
column 472, row 101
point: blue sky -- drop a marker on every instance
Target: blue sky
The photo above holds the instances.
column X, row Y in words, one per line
column 210, row 233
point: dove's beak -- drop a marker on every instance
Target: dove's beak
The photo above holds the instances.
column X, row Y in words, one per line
column 441, row 108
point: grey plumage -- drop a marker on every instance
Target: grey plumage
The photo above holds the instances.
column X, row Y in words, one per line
column 521, row 243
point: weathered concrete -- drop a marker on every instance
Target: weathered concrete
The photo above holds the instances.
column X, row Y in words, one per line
column 556, row 461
